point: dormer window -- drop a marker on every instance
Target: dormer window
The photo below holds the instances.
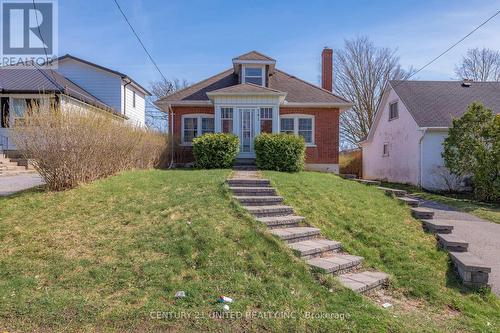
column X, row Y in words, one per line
column 254, row 75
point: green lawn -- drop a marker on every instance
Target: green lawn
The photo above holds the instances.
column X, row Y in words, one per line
column 109, row 256
column 461, row 202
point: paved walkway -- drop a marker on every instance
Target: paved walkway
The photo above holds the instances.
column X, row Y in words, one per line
column 483, row 236
column 12, row 184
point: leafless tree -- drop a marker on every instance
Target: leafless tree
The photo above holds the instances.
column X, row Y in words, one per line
column 480, row 65
column 361, row 71
column 155, row 118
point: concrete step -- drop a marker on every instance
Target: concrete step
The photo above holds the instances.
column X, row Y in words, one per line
column 245, row 167
column 368, row 182
column 409, row 201
column 393, row 191
column 286, row 221
column 296, row 234
column 336, row 263
column 274, row 210
column 363, row 281
column 422, row 213
column 437, row 226
column 253, row 191
column 471, row 269
column 259, row 200
column 235, row 182
column 452, row 243
column 314, row 247
column 348, row 176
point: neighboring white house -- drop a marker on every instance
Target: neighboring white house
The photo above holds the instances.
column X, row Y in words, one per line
column 113, row 88
column 76, row 83
column 405, row 142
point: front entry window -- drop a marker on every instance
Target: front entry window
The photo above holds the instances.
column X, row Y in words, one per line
column 227, row 120
column 266, row 120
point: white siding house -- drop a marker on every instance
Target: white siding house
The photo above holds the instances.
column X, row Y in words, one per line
column 115, row 89
column 405, row 146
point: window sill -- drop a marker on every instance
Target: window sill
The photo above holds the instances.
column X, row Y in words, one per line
column 310, row 145
column 185, row 144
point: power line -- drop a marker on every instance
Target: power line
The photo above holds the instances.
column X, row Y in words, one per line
column 139, row 39
column 452, row 46
column 45, row 50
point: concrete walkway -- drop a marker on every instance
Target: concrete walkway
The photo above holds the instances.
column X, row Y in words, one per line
column 483, row 236
column 12, row 184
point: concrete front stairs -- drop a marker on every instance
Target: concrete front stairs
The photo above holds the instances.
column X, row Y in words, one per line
column 321, row 254
column 13, row 165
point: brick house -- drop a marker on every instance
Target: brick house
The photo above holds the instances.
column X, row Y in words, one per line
column 255, row 97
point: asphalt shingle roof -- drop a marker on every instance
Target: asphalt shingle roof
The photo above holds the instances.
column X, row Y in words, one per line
column 436, row 103
column 297, row 90
column 254, row 55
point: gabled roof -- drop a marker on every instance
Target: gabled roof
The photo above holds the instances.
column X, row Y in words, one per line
column 36, row 80
column 297, row 90
column 246, row 88
column 437, row 103
column 123, row 76
column 254, row 55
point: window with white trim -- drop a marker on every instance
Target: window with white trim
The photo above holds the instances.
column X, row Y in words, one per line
column 226, row 116
column 266, row 120
column 254, row 75
column 385, row 149
column 133, row 99
column 195, row 125
column 302, row 125
column 393, row 111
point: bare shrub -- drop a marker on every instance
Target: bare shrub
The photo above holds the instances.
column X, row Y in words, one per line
column 452, row 182
column 81, row 145
column 351, row 162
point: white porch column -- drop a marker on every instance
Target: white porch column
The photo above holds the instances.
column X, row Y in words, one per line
column 276, row 119
column 217, row 119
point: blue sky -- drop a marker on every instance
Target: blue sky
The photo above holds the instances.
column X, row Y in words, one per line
column 195, row 39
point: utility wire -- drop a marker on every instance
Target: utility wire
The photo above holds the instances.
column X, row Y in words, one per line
column 452, row 46
column 139, row 39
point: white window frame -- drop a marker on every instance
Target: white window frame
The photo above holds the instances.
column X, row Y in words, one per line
column 296, row 118
column 384, row 153
column 397, row 110
column 199, row 117
column 225, row 118
column 262, row 74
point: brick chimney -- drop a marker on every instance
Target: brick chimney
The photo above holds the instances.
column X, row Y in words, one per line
column 327, row 69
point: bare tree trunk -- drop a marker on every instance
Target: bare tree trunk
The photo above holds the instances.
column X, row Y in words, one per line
column 361, row 72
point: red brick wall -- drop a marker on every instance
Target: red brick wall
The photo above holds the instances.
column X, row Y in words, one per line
column 326, row 134
column 184, row 154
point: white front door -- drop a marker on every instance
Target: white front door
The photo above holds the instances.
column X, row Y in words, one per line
column 247, row 131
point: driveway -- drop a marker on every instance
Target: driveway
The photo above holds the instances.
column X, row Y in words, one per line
column 483, row 236
column 12, row 184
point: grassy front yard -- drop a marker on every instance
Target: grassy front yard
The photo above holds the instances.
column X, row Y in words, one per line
column 461, row 202
column 110, row 256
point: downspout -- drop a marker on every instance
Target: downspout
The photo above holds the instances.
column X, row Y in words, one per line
column 171, row 129
column 424, row 130
column 125, row 96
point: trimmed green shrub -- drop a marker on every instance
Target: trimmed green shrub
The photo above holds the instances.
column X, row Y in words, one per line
column 280, row 152
column 216, row 150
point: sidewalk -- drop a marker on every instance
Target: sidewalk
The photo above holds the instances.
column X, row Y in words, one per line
column 483, row 236
column 12, row 184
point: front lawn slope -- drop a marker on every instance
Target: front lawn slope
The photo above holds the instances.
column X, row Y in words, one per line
column 110, row 255
column 379, row 228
